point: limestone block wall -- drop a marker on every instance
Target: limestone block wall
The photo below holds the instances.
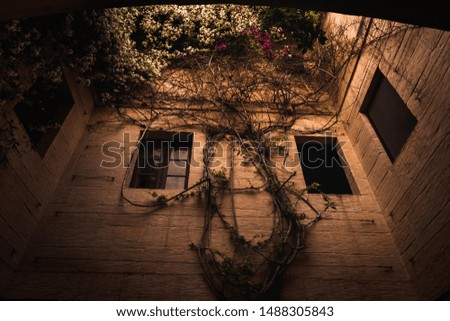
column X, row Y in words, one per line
column 27, row 180
column 92, row 244
column 413, row 190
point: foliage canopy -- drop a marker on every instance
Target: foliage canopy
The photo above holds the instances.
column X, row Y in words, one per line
column 120, row 51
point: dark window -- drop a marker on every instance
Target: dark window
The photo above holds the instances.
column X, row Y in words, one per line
column 390, row 117
column 43, row 111
column 322, row 163
column 163, row 161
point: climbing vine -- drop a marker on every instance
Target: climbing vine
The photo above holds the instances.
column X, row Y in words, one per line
column 242, row 80
column 253, row 104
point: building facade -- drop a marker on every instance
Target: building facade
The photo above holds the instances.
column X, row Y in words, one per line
column 67, row 231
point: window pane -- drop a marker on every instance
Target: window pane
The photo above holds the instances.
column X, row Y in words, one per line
column 180, row 153
column 157, row 154
column 147, row 181
column 177, row 168
column 147, row 162
column 175, row 182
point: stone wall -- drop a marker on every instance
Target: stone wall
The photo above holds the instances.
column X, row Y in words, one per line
column 413, row 190
column 92, row 244
column 27, row 180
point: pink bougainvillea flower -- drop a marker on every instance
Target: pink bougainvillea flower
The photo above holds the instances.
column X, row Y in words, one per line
column 255, row 31
column 221, row 46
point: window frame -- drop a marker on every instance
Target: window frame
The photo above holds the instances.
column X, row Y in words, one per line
column 300, row 140
column 166, row 139
column 371, row 93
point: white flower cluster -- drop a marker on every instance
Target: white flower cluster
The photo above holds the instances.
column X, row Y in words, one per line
column 277, row 34
column 121, row 50
column 198, row 25
column 138, row 42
